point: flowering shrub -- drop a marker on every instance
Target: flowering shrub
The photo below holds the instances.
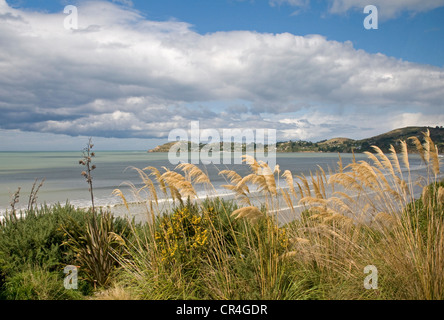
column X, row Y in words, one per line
column 181, row 234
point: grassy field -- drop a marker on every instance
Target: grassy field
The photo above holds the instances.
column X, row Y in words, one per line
column 217, row 249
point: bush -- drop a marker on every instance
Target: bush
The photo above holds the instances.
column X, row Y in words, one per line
column 36, row 283
column 95, row 245
column 201, row 246
column 429, row 206
column 36, row 239
column 34, row 242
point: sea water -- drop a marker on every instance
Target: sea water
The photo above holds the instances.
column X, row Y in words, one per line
column 115, row 169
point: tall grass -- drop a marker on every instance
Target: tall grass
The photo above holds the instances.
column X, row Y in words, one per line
column 344, row 219
column 362, row 214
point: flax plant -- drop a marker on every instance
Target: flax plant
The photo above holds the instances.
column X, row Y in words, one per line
column 96, row 243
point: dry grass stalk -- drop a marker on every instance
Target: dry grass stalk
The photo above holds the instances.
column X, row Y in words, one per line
column 305, row 184
column 387, row 164
column 395, row 159
column 250, row 213
column 148, row 185
column 290, row 182
column 440, row 197
column 405, row 154
column 432, row 152
column 426, row 195
column 340, row 166
column 347, row 181
column 426, row 145
column 385, row 219
column 264, row 182
column 251, row 161
column 179, row 186
column 270, row 180
column 238, row 186
column 119, row 193
column 158, row 176
column 316, row 186
column 194, row 174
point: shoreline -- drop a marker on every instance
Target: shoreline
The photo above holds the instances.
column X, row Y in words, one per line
column 138, row 209
column 137, row 205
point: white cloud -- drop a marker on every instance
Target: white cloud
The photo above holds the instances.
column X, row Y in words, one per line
column 125, row 76
column 387, row 9
column 128, row 3
column 414, row 119
column 295, row 3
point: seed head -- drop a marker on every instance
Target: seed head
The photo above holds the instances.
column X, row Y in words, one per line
column 441, row 195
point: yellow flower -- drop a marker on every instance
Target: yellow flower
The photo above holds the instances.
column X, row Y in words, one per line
column 196, row 220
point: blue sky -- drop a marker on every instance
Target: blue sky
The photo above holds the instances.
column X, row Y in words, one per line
column 137, row 69
column 412, row 36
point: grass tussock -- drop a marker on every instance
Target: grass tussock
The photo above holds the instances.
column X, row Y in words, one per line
column 366, row 213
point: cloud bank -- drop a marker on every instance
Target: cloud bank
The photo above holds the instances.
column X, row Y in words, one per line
column 123, row 76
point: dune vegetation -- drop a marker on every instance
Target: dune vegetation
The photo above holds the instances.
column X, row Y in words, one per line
column 355, row 216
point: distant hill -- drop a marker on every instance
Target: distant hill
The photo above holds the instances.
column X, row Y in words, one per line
column 383, row 141
column 163, row 148
column 335, row 141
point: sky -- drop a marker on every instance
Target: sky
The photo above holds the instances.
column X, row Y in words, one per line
column 132, row 71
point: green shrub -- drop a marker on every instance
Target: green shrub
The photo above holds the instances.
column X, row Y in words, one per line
column 95, row 245
column 429, row 206
column 36, row 283
column 36, row 239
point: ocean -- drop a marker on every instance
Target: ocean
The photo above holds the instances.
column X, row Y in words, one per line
column 63, row 180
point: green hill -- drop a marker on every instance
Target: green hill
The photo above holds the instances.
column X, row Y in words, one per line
column 163, row 148
column 383, row 141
